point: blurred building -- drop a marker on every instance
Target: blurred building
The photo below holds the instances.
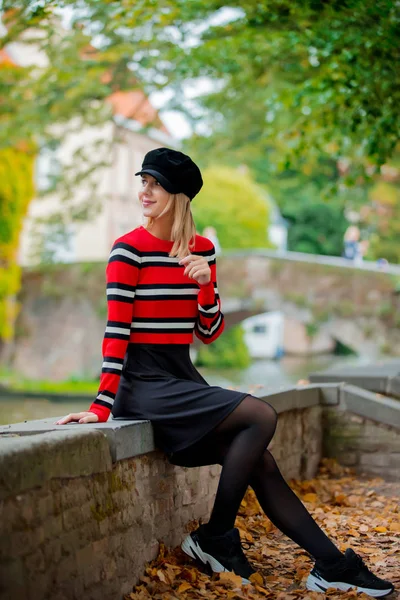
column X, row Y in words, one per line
column 105, row 205
column 277, row 226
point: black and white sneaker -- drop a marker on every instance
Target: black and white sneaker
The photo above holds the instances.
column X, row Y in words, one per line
column 348, row 572
column 221, row 553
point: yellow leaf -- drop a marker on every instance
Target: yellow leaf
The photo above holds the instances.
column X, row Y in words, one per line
column 394, row 527
column 230, row 578
column 262, row 590
column 184, row 587
column 381, row 529
column 189, row 575
column 268, row 527
column 161, row 576
column 310, row 497
column 256, row 578
column 341, row 500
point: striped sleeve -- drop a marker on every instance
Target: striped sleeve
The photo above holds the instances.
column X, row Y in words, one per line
column 122, row 275
column 210, row 321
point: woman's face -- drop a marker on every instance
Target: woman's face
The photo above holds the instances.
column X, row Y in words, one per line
column 152, row 196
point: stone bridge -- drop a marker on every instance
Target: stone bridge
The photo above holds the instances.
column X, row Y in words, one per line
column 251, row 282
column 352, row 303
column 61, row 322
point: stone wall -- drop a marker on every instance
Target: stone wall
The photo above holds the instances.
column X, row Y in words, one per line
column 84, row 507
column 90, row 536
column 81, row 517
column 355, row 441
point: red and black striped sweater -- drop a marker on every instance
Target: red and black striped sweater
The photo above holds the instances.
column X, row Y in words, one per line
column 150, row 301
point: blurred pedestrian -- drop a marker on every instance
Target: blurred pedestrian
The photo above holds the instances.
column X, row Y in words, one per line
column 351, row 243
column 211, row 234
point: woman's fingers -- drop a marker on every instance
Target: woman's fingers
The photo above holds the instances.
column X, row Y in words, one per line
column 89, row 419
column 81, row 417
column 197, row 272
column 68, row 418
column 194, row 263
column 189, row 258
column 196, row 267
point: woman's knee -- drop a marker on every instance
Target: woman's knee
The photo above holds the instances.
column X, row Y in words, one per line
column 264, row 415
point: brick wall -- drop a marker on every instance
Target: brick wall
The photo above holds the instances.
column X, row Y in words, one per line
column 69, row 533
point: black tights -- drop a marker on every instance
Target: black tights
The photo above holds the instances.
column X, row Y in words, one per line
column 240, row 444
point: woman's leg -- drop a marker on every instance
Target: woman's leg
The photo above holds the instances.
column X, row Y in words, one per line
column 250, row 428
column 226, row 446
column 287, row 512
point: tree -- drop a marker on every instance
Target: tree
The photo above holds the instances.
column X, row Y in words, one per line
column 381, row 221
column 317, row 228
column 331, row 67
column 228, row 351
column 16, row 191
column 231, row 202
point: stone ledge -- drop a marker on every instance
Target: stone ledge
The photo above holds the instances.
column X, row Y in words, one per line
column 368, row 404
column 28, row 462
column 126, row 438
column 382, row 378
column 294, row 398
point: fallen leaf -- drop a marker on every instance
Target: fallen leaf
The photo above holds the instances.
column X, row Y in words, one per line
column 256, row 578
column 310, row 497
column 231, row 579
column 184, row 587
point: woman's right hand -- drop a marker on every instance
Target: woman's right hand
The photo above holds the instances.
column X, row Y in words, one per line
column 81, row 417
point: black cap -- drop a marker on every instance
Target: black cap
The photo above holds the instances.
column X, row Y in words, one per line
column 176, row 171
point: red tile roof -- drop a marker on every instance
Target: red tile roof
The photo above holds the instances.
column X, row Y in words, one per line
column 135, row 105
column 5, row 58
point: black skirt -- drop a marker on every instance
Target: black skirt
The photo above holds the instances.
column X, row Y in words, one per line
column 160, row 383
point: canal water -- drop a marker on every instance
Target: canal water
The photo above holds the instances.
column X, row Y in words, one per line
column 260, row 378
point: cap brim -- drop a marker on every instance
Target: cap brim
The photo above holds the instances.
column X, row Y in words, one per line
column 167, row 185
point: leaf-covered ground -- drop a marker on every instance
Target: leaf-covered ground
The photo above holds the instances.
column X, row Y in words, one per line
column 355, row 512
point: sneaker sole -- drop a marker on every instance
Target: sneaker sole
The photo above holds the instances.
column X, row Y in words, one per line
column 317, row 584
column 192, row 549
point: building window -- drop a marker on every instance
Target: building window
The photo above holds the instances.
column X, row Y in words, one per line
column 58, row 244
column 48, row 167
column 261, row 328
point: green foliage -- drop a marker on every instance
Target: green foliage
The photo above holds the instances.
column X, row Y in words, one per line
column 229, row 351
column 382, row 222
column 309, row 78
column 235, row 206
column 296, row 86
column 312, row 329
column 316, row 228
column 72, row 386
column 16, row 191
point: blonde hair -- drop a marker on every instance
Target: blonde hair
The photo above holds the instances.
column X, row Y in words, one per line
column 183, row 231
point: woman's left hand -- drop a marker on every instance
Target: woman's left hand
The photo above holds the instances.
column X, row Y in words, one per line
column 197, row 268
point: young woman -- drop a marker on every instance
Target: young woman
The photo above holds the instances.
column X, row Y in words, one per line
column 162, row 287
